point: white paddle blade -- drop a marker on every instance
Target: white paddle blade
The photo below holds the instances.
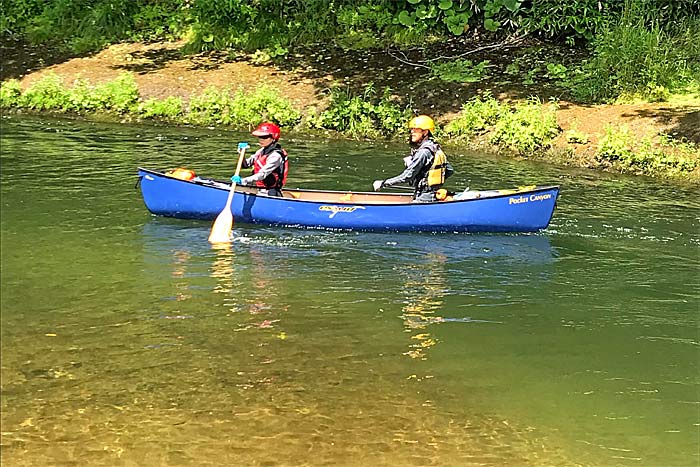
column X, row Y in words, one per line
column 221, row 230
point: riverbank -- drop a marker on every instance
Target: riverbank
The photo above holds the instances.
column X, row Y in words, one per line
column 160, row 71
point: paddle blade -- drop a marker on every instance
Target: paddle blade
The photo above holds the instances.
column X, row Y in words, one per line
column 221, row 230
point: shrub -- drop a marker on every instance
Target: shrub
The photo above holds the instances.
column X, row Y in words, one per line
column 120, row 95
column 616, row 145
column 169, row 108
column 362, row 115
column 210, row 107
column 635, row 56
column 666, row 157
column 10, row 93
column 48, row 93
column 242, row 109
column 475, row 117
column 83, row 97
column 263, row 104
column 528, row 128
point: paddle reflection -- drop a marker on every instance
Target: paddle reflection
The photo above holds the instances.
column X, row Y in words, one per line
column 222, row 268
column 425, row 288
column 180, row 261
column 264, row 289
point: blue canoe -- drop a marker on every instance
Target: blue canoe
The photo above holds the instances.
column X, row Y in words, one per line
column 526, row 209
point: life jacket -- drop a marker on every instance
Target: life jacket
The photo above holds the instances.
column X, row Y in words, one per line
column 436, row 174
column 278, row 177
column 439, row 170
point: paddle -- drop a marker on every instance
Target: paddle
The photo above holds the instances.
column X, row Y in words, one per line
column 221, row 230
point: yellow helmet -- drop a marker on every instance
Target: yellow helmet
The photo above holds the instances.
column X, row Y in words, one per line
column 423, row 122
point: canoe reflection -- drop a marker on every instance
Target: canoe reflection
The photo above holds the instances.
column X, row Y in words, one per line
column 190, row 236
column 431, row 273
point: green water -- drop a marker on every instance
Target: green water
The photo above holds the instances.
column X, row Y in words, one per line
column 128, row 340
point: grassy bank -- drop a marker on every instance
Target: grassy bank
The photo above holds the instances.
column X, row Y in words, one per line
column 528, row 128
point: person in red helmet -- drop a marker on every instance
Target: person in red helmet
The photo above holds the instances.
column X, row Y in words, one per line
column 270, row 164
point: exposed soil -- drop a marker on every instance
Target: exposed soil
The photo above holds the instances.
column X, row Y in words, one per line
column 161, row 70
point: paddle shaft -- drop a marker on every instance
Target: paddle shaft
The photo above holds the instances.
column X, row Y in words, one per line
column 241, row 156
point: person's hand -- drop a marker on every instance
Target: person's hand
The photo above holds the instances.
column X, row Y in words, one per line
column 237, row 180
column 378, row 184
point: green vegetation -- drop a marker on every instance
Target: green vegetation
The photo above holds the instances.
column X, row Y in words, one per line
column 168, row 109
column 121, row 96
column 243, row 110
column 85, row 25
column 49, row 93
column 10, row 93
column 530, row 127
column 460, row 71
column 618, row 150
column 477, row 115
column 647, row 48
column 637, row 56
column 362, row 115
column 212, row 24
column 525, row 129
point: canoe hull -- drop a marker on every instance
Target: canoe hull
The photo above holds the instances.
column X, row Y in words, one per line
column 523, row 211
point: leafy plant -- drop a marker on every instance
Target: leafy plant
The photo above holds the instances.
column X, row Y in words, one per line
column 529, row 127
column 635, row 56
column 361, row 26
column 576, row 137
column 530, row 75
column 10, row 93
column 617, row 149
column 556, row 71
column 580, row 19
column 362, row 115
column 120, row 95
column 476, row 116
column 210, row 107
column 169, row 108
column 86, row 25
column 48, row 93
column 264, row 103
column 460, row 71
column 218, row 106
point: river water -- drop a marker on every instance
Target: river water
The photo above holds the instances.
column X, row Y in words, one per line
column 128, row 340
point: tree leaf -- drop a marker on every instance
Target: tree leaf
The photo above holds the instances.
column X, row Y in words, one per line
column 512, row 5
column 423, row 12
column 406, row 18
column 491, row 25
column 457, row 24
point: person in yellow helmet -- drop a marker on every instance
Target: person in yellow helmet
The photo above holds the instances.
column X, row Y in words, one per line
column 426, row 166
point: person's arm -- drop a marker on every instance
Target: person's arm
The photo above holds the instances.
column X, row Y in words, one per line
column 274, row 160
column 420, row 159
column 248, row 162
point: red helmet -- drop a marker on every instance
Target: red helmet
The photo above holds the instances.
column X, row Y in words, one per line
column 267, row 128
